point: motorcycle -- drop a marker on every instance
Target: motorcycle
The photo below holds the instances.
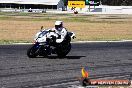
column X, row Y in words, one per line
column 45, row 44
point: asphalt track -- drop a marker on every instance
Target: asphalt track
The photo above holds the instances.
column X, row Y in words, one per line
column 102, row 60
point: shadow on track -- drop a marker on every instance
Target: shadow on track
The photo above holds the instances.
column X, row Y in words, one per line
column 66, row 57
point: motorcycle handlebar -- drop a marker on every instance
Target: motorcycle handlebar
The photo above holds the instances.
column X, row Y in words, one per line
column 51, row 30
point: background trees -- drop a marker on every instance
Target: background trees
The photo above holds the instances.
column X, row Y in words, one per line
column 117, row 2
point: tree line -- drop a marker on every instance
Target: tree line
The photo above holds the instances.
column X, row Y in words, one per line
column 117, row 2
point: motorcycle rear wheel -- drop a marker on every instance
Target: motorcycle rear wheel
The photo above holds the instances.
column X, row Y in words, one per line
column 63, row 50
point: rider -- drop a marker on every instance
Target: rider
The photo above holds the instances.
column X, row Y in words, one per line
column 60, row 30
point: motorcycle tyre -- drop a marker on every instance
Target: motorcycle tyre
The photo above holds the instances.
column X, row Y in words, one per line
column 31, row 54
column 61, row 54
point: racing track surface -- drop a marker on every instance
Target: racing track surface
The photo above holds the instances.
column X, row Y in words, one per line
column 102, row 60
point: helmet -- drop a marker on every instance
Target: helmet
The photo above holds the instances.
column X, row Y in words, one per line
column 58, row 25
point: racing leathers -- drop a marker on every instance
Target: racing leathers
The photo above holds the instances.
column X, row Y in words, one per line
column 62, row 32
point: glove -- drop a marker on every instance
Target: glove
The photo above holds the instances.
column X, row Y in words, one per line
column 49, row 40
column 53, row 39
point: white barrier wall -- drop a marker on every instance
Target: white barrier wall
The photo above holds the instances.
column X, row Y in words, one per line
column 105, row 9
column 117, row 9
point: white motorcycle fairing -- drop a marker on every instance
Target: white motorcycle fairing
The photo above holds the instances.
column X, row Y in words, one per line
column 45, row 44
column 43, row 35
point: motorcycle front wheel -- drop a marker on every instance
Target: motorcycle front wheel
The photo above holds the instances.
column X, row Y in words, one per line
column 32, row 52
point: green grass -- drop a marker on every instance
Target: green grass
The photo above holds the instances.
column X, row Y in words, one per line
column 14, row 41
column 51, row 17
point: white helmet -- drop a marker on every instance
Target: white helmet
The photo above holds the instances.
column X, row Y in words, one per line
column 58, row 25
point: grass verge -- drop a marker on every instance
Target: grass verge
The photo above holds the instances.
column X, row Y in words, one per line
column 21, row 27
